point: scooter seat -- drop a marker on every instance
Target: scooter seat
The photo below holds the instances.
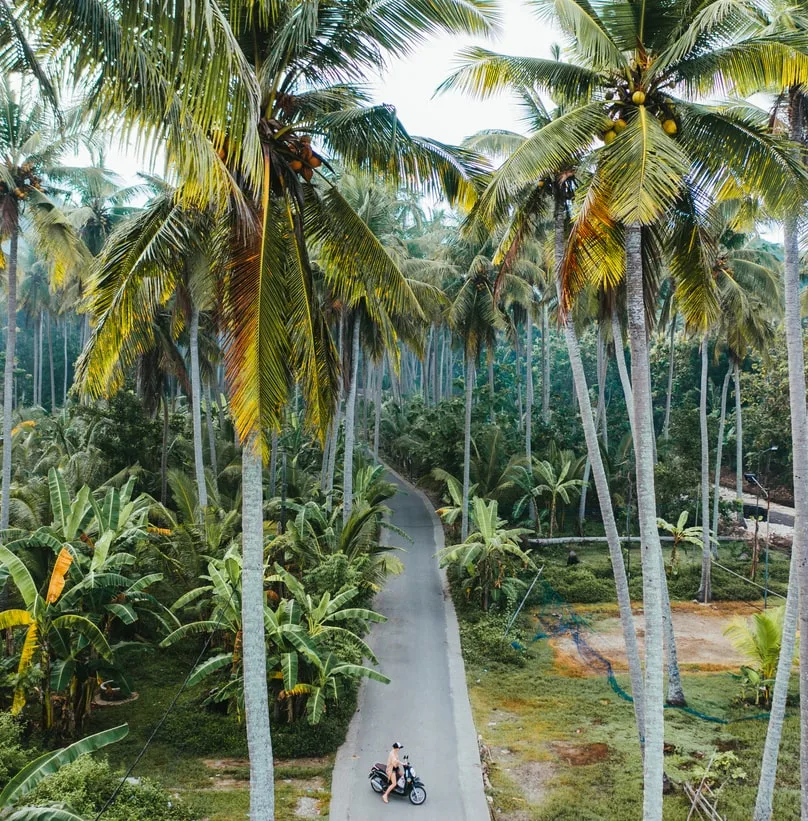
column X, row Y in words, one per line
column 380, row 766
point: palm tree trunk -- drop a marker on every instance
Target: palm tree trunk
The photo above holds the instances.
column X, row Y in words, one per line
column 435, row 369
column 676, row 694
column 50, row 363
column 8, row 373
column 491, row 355
column 584, row 488
column 738, row 442
column 214, row 460
column 256, row 699
column 41, row 367
column 196, row 413
column 620, row 358
column 528, row 388
column 651, row 548
column 719, row 447
column 666, row 425
column 604, row 499
column 705, row 593
column 329, row 435
column 350, row 414
column 164, row 452
column 799, row 451
column 273, row 463
column 35, row 388
column 65, row 326
column 377, row 408
column 464, row 520
column 545, row 365
column 774, row 733
column 450, row 371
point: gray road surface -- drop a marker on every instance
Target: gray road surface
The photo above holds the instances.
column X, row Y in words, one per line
column 426, row 706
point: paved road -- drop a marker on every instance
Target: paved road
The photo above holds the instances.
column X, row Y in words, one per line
column 426, row 706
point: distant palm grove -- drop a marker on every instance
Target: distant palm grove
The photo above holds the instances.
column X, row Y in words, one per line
column 583, row 330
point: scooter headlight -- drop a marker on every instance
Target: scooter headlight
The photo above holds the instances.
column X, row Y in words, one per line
column 412, row 772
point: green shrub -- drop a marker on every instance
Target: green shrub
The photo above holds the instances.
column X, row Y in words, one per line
column 484, row 641
column 579, row 584
column 303, row 739
column 12, row 755
column 86, row 784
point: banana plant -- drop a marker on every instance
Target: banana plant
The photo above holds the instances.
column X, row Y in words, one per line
column 48, row 628
column 40, row 768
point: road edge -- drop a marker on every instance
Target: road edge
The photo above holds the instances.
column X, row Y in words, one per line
column 475, row 804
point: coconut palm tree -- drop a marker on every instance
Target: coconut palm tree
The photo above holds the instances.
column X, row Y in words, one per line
column 657, row 161
column 474, row 317
column 30, row 147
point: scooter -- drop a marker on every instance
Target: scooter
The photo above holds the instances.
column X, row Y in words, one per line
column 409, row 785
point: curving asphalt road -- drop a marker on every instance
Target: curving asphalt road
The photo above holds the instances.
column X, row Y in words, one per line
column 426, row 706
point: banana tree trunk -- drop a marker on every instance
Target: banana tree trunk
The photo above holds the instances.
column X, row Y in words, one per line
column 8, row 374
column 256, row 698
column 464, row 519
column 719, row 447
column 774, row 732
column 214, row 460
column 666, row 425
column 604, row 498
column 528, row 389
column 50, row 364
column 350, row 415
column 738, row 442
column 196, row 413
column 653, row 764
column 799, row 451
column 377, row 408
column 545, row 365
column 705, row 593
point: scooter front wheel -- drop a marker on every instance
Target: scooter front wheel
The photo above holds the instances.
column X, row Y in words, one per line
column 417, row 795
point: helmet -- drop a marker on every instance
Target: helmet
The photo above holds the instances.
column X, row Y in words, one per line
column 397, row 745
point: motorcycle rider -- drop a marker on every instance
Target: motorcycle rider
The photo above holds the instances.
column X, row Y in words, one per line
column 394, row 769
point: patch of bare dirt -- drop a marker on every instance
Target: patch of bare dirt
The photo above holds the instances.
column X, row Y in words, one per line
column 307, row 808
column 225, row 763
column 578, row 755
column 700, row 640
column 534, row 779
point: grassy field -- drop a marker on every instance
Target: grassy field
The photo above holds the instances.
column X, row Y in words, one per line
column 564, row 747
column 201, row 756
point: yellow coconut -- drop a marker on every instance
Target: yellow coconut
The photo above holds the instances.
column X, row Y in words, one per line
column 638, row 98
column 610, row 136
column 619, row 125
column 669, row 127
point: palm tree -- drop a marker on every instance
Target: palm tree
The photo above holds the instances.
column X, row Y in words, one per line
column 30, row 148
column 659, row 158
column 474, row 318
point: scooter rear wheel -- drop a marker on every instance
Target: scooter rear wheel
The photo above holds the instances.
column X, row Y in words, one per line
column 417, row 795
column 376, row 783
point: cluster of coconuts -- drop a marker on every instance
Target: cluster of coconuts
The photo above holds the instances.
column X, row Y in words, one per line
column 616, row 123
column 304, row 160
column 25, row 178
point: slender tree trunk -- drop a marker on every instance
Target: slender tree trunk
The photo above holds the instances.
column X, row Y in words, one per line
column 214, row 460
column 491, row 385
column 332, row 454
column 329, row 436
column 377, row 408
column 705, row 593
column 196, row 413
column 369, row 373
column 64, row 389
column 164, row 452
column 41, row 367
column 620, row 358
column 8, row 374
column 666, row 425
column 50, row 363
column 545, row 365
column 799, row 450
column 35, row 388
column 529, row 388
column 719, row 447
column 464, row 520
column 604, row 498
column 584, row 488
column 436, row 369
column 738, row 442
column 350, row 414
column 774, row 732
column 256, row 698
column 600, row 409
column 651, row 548
column 676, row 694
column 450, row 386
column 273, row 463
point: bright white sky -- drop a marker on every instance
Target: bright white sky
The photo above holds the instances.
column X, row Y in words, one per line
column 409, row 85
